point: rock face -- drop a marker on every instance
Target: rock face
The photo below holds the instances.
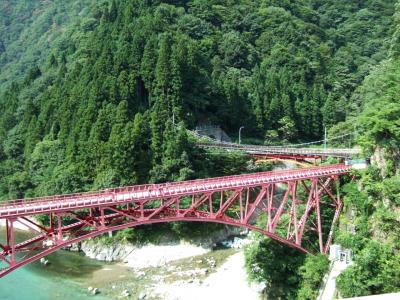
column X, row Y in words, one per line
column 214, row 132
column 379, row 157
column 216, row 237
column 97, row 250
column 119, row 251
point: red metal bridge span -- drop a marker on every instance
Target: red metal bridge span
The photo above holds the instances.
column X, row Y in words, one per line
column 283, row 152
column 293, row 207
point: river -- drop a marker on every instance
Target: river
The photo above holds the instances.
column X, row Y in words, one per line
column 65, row 278
column 69, row 274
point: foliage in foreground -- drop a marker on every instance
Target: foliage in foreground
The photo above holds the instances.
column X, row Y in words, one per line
column 374, row 230
column 287, row 273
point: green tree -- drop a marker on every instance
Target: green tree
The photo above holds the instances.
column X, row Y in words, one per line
column 276, row 265
column 312, row 273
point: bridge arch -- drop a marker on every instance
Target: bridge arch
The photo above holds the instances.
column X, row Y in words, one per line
column 60, row 246
column 288, row 203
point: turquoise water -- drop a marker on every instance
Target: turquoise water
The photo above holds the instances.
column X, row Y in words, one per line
column 64, row 278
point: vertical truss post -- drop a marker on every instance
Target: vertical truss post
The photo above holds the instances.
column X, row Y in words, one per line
column 339, row 206
column 59, row 228
column 247, row 202
column 318, row 212
column 178, row 210
column 141, row 208
column 51, row 222
column 210, row 204
column 296, row 232
column 310, row 204
column 270, row 203
column 12, row 242
column 102, row 219
column 241, row 206
column 293, row 215
column 7, row 233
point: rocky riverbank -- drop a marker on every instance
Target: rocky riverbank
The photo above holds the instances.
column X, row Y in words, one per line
column 152, row 255
column 213, row 275
column 176, row 270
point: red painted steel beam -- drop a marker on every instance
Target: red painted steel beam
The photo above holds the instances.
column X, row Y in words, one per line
column 104, row 213
column 148, row 192
column 284, row 156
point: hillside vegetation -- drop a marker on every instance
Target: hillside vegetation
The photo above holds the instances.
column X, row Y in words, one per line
column 97, row 94
column 98, row 108
column 31, row 30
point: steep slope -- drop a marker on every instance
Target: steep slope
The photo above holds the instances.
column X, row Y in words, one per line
column 375, row 202
column 31, row 30
column 97, row 95
column 98, row 110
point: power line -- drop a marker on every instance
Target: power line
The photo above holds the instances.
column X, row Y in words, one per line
column 317, row 142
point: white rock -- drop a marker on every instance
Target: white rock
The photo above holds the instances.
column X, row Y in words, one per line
column 44, row 261
column 48, row 243
column 155, row 256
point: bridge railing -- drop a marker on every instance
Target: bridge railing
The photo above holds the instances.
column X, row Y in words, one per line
column 283, row 150
column 164, row 188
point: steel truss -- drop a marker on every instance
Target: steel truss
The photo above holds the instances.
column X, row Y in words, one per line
column 284, row 205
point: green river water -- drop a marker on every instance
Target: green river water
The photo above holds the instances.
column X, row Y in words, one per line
column 64, row 278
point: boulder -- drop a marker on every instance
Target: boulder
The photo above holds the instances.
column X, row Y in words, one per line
column 44, row 261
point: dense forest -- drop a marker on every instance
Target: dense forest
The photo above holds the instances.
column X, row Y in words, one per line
column 96, row 94
column 101, row 99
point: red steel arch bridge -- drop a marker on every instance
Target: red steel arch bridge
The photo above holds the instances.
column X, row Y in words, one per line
column 293, row 207
column 282, row 152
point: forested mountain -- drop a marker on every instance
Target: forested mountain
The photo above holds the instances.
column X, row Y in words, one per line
column 30, row 30
column 97, row 108
column 96, row 94
column 371, row 219
column 375, row 202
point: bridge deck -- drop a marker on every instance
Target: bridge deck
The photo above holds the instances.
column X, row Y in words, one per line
column 142, row 193
column 306, row 152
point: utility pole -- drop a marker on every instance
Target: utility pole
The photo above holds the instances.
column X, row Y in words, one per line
column 325, row 138
column 240, row 134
